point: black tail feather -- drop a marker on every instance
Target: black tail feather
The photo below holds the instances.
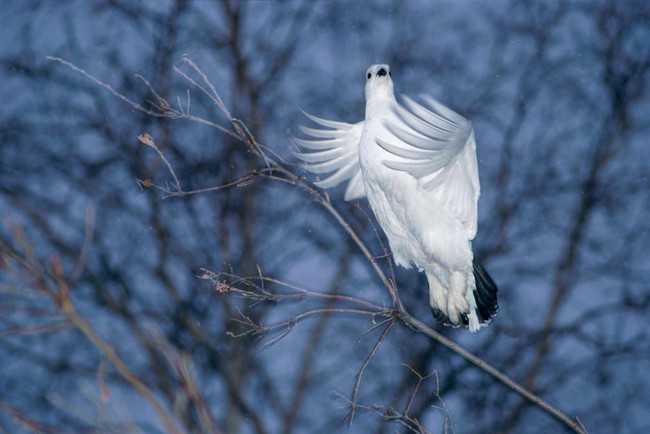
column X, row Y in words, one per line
column 485, row 294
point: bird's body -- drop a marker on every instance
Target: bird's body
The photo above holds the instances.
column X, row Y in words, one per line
column 418, row 169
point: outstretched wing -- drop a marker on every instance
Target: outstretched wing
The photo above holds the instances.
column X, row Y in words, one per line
column 335, row 149
column 436, row 146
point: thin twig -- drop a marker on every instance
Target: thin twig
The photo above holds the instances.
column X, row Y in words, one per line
column 169, row 113
column 417, row 386
column 25, row 421
column 149, row 141
column 240, row 182
column 182, row 364
column 217, row 280
column 87, row 242
column 388, row 414
column 289, row 323
column 357, row 384
column 37, row 329
column 374, row 327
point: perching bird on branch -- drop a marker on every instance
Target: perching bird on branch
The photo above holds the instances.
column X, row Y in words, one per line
column 416, row 163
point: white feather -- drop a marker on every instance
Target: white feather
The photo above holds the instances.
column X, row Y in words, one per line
column 337, row 150
column 416, row 163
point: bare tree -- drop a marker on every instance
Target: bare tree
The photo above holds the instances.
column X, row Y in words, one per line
column 195, row 273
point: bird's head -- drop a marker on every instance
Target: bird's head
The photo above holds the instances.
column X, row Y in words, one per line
column 379, row 84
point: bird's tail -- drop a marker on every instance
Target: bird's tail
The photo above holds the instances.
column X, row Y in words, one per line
column 481, row 301
column 485, row 294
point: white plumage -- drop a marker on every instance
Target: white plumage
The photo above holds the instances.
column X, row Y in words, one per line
column 416, row 163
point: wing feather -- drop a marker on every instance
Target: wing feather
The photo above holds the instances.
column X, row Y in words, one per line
column 437, row 146
column 318, row 157
column 344, row 173
column 336, row 150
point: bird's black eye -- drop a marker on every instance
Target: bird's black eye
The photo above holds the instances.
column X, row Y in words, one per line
column 389, row 74
column 369, row 75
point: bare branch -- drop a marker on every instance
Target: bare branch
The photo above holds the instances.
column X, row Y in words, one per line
column 164, row 112
column 389, row 414
column 359, row 376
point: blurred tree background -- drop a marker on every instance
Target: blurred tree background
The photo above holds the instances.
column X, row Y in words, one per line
column 558, row 95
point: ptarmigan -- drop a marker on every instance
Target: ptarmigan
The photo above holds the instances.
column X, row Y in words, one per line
column 416, row 163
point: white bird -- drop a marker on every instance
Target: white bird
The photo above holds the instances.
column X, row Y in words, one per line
column 417, row 165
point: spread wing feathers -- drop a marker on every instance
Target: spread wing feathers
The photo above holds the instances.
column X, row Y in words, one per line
column 334, row 149
column 437, row 146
